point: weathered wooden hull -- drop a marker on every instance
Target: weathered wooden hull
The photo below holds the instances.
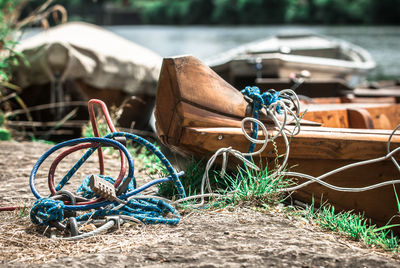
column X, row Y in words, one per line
column 197, row 113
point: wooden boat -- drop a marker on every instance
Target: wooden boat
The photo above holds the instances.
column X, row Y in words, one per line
column 377, row 91
column 74, row 62
column 197, row 113
column 279, row 56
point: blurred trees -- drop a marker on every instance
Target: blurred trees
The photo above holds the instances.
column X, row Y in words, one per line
column 268, row 11
column 244, row 11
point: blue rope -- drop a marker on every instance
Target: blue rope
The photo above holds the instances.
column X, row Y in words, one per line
column 148, row 211
column 46, row 210
column 259, row 101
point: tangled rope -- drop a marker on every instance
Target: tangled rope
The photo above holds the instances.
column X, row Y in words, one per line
column 287, row 103
column 122, row 200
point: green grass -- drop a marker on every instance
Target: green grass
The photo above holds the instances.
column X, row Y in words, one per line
column 256, row 187
column 353, row 225
column 245, row 186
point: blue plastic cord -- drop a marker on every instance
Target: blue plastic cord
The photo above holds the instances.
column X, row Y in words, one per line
column 46, row 210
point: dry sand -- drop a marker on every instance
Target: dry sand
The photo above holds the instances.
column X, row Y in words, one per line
column 238, row 237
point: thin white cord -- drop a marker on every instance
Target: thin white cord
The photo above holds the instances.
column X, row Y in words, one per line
column 292, row 108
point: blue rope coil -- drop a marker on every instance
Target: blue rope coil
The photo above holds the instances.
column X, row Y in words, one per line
column 259, row 101
column 148, row 211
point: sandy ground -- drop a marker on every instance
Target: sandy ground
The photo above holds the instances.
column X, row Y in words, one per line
column 238, row 237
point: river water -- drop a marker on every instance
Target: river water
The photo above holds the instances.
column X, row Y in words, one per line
column 383, row 42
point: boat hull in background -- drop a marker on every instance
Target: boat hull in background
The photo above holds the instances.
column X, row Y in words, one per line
column 282, row 55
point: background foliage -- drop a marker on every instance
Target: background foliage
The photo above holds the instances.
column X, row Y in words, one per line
column 267, row 11
column 236, row 11
column 7, row 8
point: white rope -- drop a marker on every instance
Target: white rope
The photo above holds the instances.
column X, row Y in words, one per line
column 290, row 105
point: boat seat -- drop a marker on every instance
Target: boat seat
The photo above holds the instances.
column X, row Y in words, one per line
column 342, row 118
column 359, row 118
column 385, row 116
column 354, row 115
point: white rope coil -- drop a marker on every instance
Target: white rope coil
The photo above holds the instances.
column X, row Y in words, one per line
column 290, row 105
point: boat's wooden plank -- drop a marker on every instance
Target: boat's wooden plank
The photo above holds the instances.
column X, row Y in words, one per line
column 343, row 106
column 196, row 117
column 381, row 134
column 207, row 91
column 310, row 145
column 193, row 116
column 165, row 101
column 378, row 116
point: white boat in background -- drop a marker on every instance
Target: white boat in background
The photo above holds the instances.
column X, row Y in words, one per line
column 282, row 55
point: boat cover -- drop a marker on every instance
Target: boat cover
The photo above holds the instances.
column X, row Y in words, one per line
column 100, row 58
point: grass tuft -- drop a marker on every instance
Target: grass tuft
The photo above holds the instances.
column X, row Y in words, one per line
column 355, row 226
column 256, row 187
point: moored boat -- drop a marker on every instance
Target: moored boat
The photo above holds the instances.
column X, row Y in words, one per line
column 197, row 113
column 280, row 56
column 74, row 62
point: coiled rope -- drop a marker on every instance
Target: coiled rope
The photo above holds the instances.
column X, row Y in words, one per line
column 289, row 105
column 129, row 203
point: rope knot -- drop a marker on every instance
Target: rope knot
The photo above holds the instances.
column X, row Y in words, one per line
column 254, row 94
column 45, row 210
column 260, row 100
